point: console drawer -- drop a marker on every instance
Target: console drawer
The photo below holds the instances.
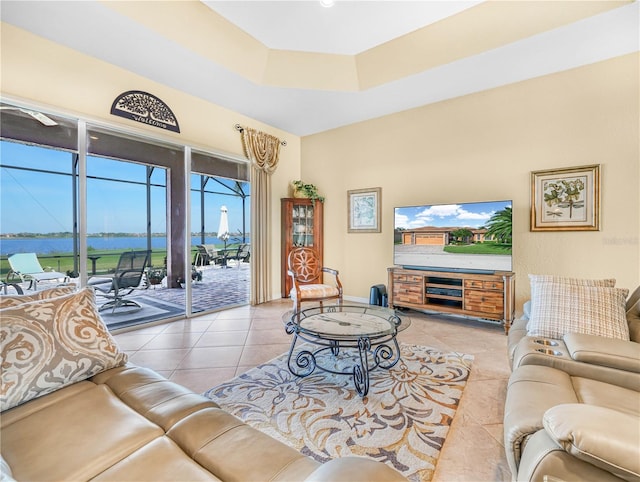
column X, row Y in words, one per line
column 407, row 278
column 486, row 285
column 489, row 302
column 407, row 293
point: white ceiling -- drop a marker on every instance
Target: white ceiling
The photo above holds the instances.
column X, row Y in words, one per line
column 347, row 27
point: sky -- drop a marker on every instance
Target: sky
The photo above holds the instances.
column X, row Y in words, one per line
column 41, row 203
column 470, row 215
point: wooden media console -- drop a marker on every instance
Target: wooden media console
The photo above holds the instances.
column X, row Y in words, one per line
column 478, row 295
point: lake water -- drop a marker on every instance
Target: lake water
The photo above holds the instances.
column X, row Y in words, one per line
column 65, row 245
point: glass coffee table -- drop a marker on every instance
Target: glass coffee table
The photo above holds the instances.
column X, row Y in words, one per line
column 365, row 336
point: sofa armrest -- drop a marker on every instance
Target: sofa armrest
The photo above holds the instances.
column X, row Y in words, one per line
column 600, row 436
column 608, row 352
column 355, row 469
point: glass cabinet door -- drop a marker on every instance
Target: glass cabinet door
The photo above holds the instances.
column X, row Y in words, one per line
column 302, row 232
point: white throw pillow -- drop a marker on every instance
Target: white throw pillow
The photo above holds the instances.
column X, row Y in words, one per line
column 51, row 343
column 561, row 308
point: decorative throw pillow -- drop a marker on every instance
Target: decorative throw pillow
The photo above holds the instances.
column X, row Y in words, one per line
column 561, row 308
column 538, row 279
column 15, row 300
column 48, row 344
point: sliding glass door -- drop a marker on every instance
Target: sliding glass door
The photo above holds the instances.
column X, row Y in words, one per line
column 84, row 197
column 220, row 242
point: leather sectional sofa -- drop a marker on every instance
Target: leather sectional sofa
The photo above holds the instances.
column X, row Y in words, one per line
column 73, row 409
column 572, row 411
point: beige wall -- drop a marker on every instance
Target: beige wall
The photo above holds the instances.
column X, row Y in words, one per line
column 474, row 148
column 46, row 74
column 483, row 147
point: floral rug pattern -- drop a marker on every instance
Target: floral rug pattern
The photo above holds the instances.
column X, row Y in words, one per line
column 403, row 421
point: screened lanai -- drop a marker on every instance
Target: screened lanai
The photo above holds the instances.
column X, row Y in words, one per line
column 78, row 195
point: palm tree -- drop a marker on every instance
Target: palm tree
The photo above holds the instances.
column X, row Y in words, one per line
column 500, row 226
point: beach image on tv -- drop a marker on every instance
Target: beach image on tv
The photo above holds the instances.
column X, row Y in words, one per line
column 463, row 236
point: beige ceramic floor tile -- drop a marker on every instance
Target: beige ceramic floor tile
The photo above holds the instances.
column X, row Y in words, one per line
column 159, row 359
column 222, row 338
column 484, row 400
column 268, row 337
column 192, row 325
column 212, row 357
column 133, row 341
column 173, row 340
column 230, row 324
column 471, row 454
column 258, row 354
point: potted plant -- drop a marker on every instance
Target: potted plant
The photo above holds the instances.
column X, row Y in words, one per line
column 155, row 275
column 305, row 190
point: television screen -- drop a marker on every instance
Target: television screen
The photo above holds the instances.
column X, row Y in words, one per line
column 474, row 237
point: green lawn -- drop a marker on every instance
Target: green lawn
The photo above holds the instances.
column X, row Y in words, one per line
column 107, row 262
column 480, row 248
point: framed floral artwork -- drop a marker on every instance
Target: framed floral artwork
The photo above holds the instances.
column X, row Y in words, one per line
column 566, row 199
column 364, row 210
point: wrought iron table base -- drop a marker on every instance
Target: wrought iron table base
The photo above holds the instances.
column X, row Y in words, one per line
column 383, row 355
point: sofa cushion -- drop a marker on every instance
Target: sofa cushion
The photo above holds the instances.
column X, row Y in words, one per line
column 608, row 352
column 633, row 315
column 561, row 308
column 75, row 437
column 14, row 300
column 51, row 343
column 584, row 431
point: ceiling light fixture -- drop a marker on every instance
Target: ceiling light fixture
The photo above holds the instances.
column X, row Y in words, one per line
column 327, row 3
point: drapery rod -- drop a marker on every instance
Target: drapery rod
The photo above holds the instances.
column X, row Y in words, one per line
column 239, row 128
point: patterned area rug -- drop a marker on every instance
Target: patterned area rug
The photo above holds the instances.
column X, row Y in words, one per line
column 403, row 421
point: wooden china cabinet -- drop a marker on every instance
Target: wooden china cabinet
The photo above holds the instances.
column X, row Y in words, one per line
column 301, row 227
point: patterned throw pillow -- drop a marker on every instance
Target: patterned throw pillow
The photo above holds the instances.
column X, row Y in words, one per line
column 15, row 300
column 48, row 344
column 561, row 308
column 537, row 279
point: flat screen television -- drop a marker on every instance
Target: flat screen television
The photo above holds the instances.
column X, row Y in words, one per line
column 467, row 237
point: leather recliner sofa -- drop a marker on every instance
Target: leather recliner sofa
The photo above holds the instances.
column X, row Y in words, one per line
column 129, row 423
column 74, row 410
column 605, row 359
column 572, row 411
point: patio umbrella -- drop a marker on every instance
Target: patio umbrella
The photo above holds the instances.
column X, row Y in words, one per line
column 223, row 227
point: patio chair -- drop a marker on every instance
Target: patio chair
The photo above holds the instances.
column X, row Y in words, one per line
column 207, row 254
column 26, row 267
column 241, row 255
column 202, row 256
column 305, row 272
column 127, row 277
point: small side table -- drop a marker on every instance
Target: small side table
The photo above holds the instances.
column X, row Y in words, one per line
column 93, row 263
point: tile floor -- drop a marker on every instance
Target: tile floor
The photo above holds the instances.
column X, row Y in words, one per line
column 202, row 352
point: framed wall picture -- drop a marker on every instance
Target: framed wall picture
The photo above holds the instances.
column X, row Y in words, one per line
column 566, row 199
column 364, row 210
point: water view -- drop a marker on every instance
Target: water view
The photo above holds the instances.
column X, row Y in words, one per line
column 9, row 246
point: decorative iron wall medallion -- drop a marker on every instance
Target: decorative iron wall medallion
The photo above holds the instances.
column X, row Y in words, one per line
column 146, row 108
